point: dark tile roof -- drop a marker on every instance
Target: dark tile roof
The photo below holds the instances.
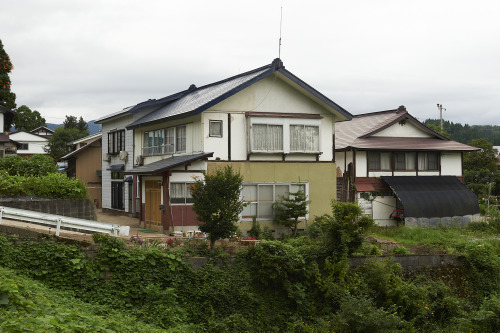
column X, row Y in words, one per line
column 167, row 164
column 196, row 100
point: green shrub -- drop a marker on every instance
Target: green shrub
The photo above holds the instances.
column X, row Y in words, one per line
column 400, row 250
column 36, row 165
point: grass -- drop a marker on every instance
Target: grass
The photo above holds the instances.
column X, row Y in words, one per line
column 449, row 239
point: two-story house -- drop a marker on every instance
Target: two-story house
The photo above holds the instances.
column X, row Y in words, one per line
column 27, row 144
column 397, row 168
column 269, row 125
column 84, row 163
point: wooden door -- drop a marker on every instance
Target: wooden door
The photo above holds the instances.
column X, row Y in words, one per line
column 153, row 202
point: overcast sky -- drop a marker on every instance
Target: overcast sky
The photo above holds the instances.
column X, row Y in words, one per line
column 90, row 58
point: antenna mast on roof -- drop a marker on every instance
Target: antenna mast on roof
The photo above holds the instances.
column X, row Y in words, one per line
column 440, row 108
column 281, row 22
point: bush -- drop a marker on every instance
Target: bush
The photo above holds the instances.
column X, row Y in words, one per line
column 36, row 165
column 346, row 230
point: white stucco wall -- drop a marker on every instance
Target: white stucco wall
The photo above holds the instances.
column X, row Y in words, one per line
column 118, row 123
column 451, row 164
column 408, row 130
column 35, row 142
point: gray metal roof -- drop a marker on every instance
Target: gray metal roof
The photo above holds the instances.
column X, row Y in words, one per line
column 358, row 134
column 167, row 164
column 196, row 100
column 433, row 196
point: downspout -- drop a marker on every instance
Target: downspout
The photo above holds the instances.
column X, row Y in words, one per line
column 229, row 137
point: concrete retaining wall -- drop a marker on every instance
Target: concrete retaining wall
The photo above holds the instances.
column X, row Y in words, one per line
column 458, row 221
column 83, row 209
column 411, row 261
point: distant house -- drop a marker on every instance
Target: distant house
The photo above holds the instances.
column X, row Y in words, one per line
column 27, row 144
column 268, row 124
column 6, row 117
column 397, row 168
column 84, row 163
column 43, row 132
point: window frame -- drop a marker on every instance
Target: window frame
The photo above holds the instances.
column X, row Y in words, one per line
column 23, row 146
column 286, row 124
column 187, row 199
column 116, row 140
column 379, row 153
column 173, row 140
column 211, row 124
column 437, row 155
column 394, row 163
column 246, row 218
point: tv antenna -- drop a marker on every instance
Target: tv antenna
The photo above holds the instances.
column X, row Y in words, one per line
column 440, row 108
column 281, row 23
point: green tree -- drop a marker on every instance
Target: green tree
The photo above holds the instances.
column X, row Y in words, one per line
column 216, row 201
column 72, row 122
column 289, row 208
column 27, row 119
column 437, row 129
column 7, row 98
column 480, row 167
column 345, row 231
column 57, row 146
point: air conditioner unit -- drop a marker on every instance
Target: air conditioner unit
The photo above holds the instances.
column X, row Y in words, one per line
column 106, row 157
column 139, row 160
column 123, row 155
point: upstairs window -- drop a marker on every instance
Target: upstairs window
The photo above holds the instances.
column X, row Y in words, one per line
column 405, row 161
column 304, row 138
column 23, row 146
column 215, row 128
column 163, row 141
column 267, row 138
column 116, row 142
column 379, row 161
column 428, row 161
column 284, row 135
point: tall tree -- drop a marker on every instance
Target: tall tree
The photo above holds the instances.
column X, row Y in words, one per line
column 27, row 119
column 57, row 146
column 70, row 122
column 216, row 201
column 7, row 98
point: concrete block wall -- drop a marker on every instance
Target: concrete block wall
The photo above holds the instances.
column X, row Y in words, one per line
column 83, row 209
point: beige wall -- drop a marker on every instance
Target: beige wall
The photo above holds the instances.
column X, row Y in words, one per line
column 321, row 178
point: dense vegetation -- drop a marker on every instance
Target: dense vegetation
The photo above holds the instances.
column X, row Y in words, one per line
column 466, row 133
column 37, row 176
column 299, row 284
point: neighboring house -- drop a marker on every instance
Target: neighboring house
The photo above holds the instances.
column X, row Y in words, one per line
column 84, row 163
column 6, row 117
column 397, row 168
column 269, row 125
column 43, row 132
column 27, row 144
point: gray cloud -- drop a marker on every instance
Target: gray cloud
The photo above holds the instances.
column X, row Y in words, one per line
column 90, row 58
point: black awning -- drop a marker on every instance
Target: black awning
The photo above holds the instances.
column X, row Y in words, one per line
column 128, row 179
column 116, row 167
column 433, row 196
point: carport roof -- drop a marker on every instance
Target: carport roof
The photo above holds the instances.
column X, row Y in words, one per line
column 433, row 196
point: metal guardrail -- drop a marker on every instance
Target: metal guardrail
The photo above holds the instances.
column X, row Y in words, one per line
column 59, row 222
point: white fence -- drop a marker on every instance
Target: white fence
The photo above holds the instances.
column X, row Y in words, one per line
column 58, row 221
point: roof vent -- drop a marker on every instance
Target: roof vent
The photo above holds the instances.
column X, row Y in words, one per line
column 192, row 87
column 401, row 109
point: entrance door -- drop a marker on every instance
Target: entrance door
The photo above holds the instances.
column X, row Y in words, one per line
column 153, row 201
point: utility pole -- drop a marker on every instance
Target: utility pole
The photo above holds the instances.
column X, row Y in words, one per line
column 440, row 107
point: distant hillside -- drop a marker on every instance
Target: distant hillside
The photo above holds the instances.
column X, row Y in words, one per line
column 93, row 127
column 466, row 133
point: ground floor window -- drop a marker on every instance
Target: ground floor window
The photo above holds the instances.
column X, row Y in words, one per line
column 180, row 193
column 117, row 195
column 260, row 197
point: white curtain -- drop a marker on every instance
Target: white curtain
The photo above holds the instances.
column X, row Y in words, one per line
column 267, row 137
